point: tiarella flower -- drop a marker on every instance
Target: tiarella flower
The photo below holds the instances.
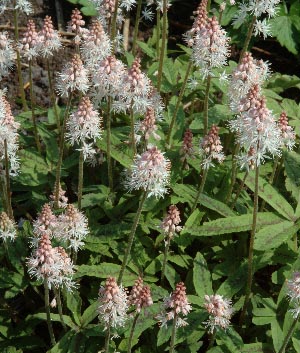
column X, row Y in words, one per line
column 72, row 228
column 169, row 225
column 147, row 14
column 249, row 72
column 108, row 78
column 62, row 199
column 50, row 40
column 150, row 172
column 140, row 296
column 200, row 21
column 155, row 101
column 95, row 46
column 113, row 304
column 176, row 307
column 21, row 5
column 8, row 136
column 187, row 148
column 220, row 311
column 294, row 294
column 106, row 9
column 135, row 91
column 7, row 228
column 46, row 222
column 76, row 25
column 255, row 127
column 51, row 264
column 74, row 77
column 147, row 127
column 257, row 8
column 7, row 55
column 29, row 46
column 288, row 135
column 211, row 47
column 83, row 128
column 127, row 4
column 211, row 148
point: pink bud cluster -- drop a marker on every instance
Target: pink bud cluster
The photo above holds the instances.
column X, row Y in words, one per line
column 140, row 296
column 187, row 148
column 147, row 127
column 170, row 223
column 287, row 133
column 199, row 22
column 211, row 148
column 7, row 228
column 30, row 43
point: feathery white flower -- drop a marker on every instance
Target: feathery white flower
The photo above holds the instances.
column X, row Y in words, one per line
column 50, row 40
column 7, row 55
column 211, row 148
column 7, row 228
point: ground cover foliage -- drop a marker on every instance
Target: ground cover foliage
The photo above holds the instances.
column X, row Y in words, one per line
column 153, row 205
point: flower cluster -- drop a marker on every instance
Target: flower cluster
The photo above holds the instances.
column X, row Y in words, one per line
column 211, row 148
column 287, row 133
column 140, row 296
column 83, row 128
column 176, row 307
column 113, row 304
column 150, row 172
column 147, row 126
column 199, row 22
column 220, row 311
column 258, row 9
column 187, row 148
column 7, row 55
column 46, row 222
column 51, row 264
column 49, row 38
column 169, row 225
column 21, row 5
column 211, row 47
column 29, row 46
column 7, row 228
column 8, row 136
column 294, row 293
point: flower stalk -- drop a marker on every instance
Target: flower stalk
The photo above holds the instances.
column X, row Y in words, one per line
column 200, row 189
column 7, row 182
column 80, row 180
column 132, row 331
column 136, row 26
column 52, row 96
column 173, row 335
column 163, row 45
column 289, row 335
column 47, row 307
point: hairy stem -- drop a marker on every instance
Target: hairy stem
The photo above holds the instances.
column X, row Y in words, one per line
column 233, row 172
column 173, row 335
column 289, row 335
column 248, row 38
column 163, row 45
column 108, row 144
column 212, row 340
column 47, row 307
column 35, row 131
column 136, row 26
column 205, row 112
column 157, row 32
column 61, row 151
column 131, row 236
column 59, row 306
column 19, row 70
column 239, row 190
column 200, row 189
column 251, row 249
column 80, row 179
column 52, row 96
column 132, row 133
column 167, row 247
column 107, row 339
column 271, row 180
column 132, row 332
column 7, row 182
column 114, row 27
column 188, row 70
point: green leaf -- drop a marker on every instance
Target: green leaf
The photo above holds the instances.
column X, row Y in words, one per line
column 64, row 344
column 146, row 49
column 253, row 348
column 89, row 314
column 292, row 171
column 232, row 224
column 277, row 334
column 234, row 282
column 201, row 277
column 271, row 196
column 74, row 305
column 274, row 235
column 231, row 339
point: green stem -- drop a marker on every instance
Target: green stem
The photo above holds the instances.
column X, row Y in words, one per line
column 131, row 236
column 3, row 193
column 205, row 112
column 248, row 38
column 178, row 102
column 233, row 172
column 271, row 180
column 61, row 151
column 212, row 340
column 163, row 45
column 107, row 339
column 200, row 189
column 114, row 27
column 47, row 307
column 52, row 96
column 132, row 130
column 136, row 26
column 8, row 192
column 251, row 249
column 59, row 306
column 19, row 70
column 157, row 32
column 173, row 336
column 239, row 190
column 35, row 131
column 80, row 179
column 108, row 144
column 132, row 332
column 289, row 335
column 167, row 247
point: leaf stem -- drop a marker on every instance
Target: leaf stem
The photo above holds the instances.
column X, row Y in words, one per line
column 61, row 151
column 173, row 336
column 163, row 45
column 251, row 249
column 59, row 306
column 132, row 332
column 200, row 189
column 52, row 96
column 289, row 335
column 167, row 247
column 80, row 179
column 8, row 192
column 47, row 307
column 205, row 112
column 136, row 26
column 131, row 236
column 179, row 99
